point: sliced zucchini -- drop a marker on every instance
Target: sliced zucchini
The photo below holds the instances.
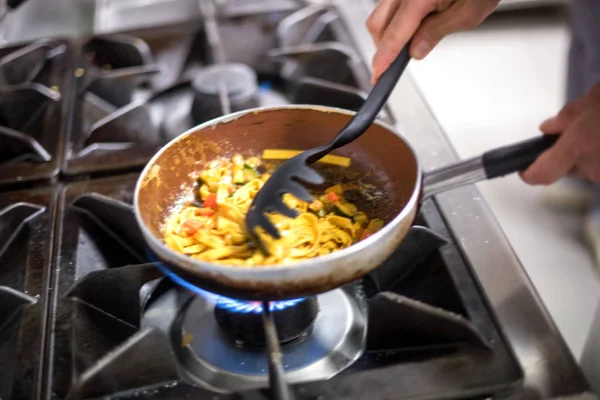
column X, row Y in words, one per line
column 251, row 174
column 375, row 225
column 360, row 218
column 343, row 210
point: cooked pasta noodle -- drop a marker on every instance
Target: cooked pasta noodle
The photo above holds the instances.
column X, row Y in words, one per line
column 212, row 229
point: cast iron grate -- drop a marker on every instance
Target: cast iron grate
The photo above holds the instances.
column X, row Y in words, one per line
column 32, row 81
column 26, row 221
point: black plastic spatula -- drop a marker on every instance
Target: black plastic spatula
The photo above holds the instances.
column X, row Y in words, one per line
column 290, row 176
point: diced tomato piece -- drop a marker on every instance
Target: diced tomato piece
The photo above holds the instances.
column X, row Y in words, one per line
column 332, row 197
column 366, row 234
column 206, row 212
column 191, row 226
column 211, row 201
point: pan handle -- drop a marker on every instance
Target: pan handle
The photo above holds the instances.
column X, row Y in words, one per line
column 491, row 164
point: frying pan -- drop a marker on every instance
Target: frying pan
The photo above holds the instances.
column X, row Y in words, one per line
column 381, row 160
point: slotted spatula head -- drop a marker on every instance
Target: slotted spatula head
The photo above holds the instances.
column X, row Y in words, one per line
column 293, row 173
column 288, row 178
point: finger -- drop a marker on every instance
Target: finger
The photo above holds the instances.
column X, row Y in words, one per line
column 586, row 143
column 589, row 168
column 573, row 110
column 552, row 164
column 380, row 18
column 555, row 162
column 460, row 16
column 403, row 25
column 566, row 115
column 594, row 92
column 575, row 173
column 553, row 125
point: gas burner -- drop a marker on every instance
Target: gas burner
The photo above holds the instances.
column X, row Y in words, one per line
column 223, row 88
column 210, row 359
column 242, row 320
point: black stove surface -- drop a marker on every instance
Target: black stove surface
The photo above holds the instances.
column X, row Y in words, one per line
column 430, row 332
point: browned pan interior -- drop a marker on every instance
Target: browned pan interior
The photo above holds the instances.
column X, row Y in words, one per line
column 381, row 160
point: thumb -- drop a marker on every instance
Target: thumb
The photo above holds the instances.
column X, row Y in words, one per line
column 462, row 15
column 553, row 125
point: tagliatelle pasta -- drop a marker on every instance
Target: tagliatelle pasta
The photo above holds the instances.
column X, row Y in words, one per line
column 212, row 228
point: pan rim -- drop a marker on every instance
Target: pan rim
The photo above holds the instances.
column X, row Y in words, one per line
column 181, row 260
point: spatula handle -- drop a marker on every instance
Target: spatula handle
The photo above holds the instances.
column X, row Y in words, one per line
column 375, row 101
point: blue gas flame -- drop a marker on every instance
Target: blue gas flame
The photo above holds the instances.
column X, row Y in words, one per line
column 245, row 307
column 223, row 302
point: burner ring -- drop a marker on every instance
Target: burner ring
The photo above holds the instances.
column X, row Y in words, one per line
column 209, row 359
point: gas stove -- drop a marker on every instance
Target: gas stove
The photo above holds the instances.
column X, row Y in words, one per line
column 89, row 312
column 124, row 329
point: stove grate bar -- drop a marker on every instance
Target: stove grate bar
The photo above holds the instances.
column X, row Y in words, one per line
column 24, row 65
column 11, row 302
column 127, row 281
column 16, row 115
column 13, row 219
column 16, row 147
column 397, row 322
column 113, row 373
column 419, row 243
column 330, row 61
column 114, row 216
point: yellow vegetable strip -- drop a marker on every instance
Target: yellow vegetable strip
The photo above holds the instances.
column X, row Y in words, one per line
column 273, row 154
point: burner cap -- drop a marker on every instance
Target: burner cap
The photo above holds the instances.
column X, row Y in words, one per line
column 240, row 80
column 242, row 321
column 241, row 85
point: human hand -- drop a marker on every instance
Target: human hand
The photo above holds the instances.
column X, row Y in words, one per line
column 393, row 22
column 577, row 151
